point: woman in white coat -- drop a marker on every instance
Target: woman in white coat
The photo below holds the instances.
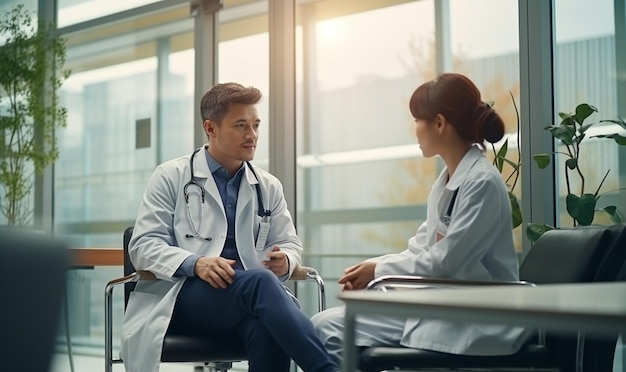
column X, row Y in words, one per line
column 467, row 233
column 217, row 234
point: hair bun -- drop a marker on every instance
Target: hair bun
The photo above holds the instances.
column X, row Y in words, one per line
column 488, row 125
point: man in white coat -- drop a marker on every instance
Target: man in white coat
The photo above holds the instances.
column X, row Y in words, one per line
column 467, row 233
column 217, row 234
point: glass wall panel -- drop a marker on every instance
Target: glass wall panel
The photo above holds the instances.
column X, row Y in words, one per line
column 6, row 6
column 245, row 60
column 362, row 181
column 130, row 107
column 75, row 11
column 589, row 68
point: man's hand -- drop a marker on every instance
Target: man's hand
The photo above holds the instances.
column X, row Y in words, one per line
column 216, row 271
column 277, row 261
column 357, row 276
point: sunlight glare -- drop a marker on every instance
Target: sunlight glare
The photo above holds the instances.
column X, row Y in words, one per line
column 329, row 31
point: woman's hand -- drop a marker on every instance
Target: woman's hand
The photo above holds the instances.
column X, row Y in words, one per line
column 357, row 276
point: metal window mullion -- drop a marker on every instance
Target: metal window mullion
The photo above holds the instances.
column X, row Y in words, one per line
column 537, row 110
column 619, row 7
column 43, row 184
column 282, row 96
column 120, row 16
column 206, row 44
column 443, row 30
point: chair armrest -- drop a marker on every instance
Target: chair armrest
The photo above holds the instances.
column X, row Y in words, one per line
column 393, row 282
column 309, row 273
column 387, row 282
column 108, row 312
column 303, row 273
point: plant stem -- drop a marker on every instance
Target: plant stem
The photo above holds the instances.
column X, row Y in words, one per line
column 569, row 151
column 519, row 148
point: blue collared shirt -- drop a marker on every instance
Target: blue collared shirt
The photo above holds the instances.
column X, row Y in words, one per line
column 228, row 188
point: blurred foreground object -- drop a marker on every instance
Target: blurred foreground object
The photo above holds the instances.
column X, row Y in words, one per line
column 32, row 286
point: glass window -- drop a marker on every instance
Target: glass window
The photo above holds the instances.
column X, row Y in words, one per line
column 30, row 7
column 245, row 60
column 130, row 107
column 75, row 11
column 6, row 5
column 362, row 182
column 588, row 69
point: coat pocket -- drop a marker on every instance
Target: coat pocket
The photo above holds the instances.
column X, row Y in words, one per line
column 140, row 304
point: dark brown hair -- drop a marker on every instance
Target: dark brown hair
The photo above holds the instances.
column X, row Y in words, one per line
column 217, row 101
column 457, row 98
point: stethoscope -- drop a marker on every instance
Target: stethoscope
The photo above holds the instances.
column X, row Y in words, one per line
column 264, row 213
column 446, row 217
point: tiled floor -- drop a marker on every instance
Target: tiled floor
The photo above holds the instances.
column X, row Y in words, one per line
column 84, row 363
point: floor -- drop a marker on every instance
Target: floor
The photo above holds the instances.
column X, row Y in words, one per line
column 85, row 363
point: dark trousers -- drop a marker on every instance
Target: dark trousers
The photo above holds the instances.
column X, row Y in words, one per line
column 256, row 309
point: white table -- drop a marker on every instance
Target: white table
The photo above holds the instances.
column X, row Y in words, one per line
column 595, row 308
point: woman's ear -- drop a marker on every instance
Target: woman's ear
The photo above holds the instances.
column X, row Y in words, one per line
column 440, row 122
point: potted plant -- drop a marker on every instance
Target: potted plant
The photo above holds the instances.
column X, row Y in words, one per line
column 580, row 203
column 32, row 56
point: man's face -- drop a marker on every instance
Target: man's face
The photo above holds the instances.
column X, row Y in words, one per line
column 234, row 139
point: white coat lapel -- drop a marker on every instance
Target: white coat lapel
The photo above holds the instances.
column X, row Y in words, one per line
column 246, row 193
column 204, row 177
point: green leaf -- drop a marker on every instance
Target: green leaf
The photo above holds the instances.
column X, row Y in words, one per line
column 571, row 163
column 583, row 111
column 583, row 128
column 614, row 213
column 501, row 155
column 619, row 122
column 564, row 132
column 620, row 140
column 535, row 230
column 542, row 160
column 516, row 212
column 568, row 121
column 581, row 208
column 512, row 164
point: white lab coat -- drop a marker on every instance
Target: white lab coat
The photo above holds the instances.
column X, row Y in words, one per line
column 483, row 252
column 159, row 245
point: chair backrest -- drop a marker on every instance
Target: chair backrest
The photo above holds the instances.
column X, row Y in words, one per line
column 600, row 352
column 33, row 271
column 128, row 265
column 612, row 267
column 569, row 255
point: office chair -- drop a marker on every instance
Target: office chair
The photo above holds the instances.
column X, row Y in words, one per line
column 32, row 283
column 598, row 353
column 214, row 354
column 559, row 256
